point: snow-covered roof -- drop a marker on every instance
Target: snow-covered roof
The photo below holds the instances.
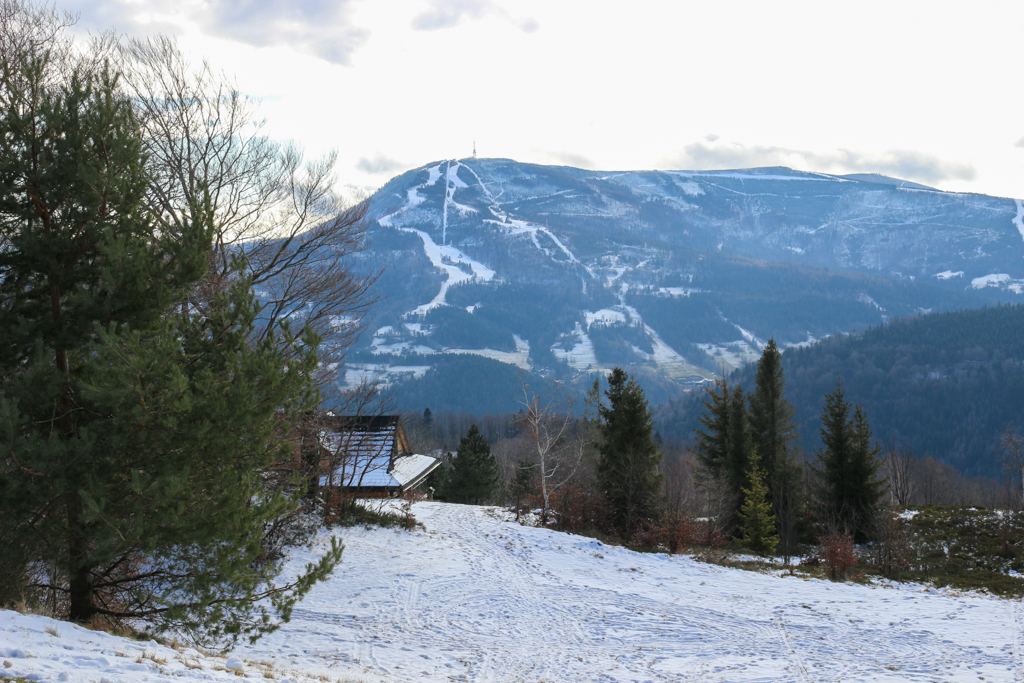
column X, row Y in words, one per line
column 406, row 472
column 372, row 452
column 411, row 469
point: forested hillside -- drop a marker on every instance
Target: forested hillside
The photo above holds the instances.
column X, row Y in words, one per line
column 944, row 384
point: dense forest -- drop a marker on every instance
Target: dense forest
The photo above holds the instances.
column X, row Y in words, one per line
column 945, row 385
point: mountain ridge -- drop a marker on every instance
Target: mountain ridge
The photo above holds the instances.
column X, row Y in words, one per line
column 564, row 271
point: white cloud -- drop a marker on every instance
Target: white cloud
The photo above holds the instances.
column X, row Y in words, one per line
column 379, row 165
column 322, row 28
column 450, row 13
column 567, row 159
column 906, row 164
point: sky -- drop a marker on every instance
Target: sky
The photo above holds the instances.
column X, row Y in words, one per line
column 925, row 91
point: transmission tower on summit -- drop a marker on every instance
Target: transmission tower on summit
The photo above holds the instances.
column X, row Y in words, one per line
column 474, row 149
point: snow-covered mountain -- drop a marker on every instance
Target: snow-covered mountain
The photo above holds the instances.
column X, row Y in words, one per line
column 677, row 274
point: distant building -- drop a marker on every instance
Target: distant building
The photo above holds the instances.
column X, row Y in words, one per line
column 369, row 456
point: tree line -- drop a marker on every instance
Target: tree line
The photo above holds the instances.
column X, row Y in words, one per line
column 744, row 478
column 945, row 385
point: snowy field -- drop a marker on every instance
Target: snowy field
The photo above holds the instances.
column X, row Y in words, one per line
column 475, row 597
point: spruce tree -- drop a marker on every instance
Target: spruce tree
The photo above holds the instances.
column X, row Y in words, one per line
column 474, row 475
column 848, row 489
column 740, row 454
column 774, row 436
column 132, row 432
column 711, row 444
column 627, row 467
column 757, row 521
column 724, row 450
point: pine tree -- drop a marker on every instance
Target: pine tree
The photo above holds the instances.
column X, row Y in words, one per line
column 711, row 445
column 132, row 432
column 740, row 454
column 757, row 521
column 627, row 468
column 725, row 449
column 848, row 488
column 474, row 476
column 774, row 437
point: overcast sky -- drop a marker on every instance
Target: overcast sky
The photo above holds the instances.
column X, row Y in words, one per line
column 926, row 91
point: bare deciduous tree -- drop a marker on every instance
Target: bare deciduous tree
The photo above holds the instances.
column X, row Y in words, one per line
column 549, row 425
column 898, row 464
column 1013, row 458
column 204, row 138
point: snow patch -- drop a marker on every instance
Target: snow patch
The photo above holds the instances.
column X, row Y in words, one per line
column 677, row 292
column 520, row 357
column 605, row 315
column 732, row 355
column 949, row 274
column 582, row 355
column 866, row 298
column 514, row 226
column 447, row 259
column 381, row 374
column 993, row 280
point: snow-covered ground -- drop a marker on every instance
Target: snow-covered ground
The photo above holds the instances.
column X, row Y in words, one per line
column 475, row 597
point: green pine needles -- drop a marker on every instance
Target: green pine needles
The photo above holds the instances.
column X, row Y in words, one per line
column 627, row 467
column 848, row 486
column 133, row 429
column 473, row 478
column 757, row 519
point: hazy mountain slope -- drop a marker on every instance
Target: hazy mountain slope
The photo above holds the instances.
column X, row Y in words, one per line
column 564, row 271
column 945, row 384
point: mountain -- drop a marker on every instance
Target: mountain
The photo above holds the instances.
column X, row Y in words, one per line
column 945, row 385
column 675, row 275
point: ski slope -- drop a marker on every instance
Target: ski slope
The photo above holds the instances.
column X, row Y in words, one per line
column 477, row 597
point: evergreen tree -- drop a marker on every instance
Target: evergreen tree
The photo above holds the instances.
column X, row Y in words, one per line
column 724, row 450
column 711, row 445
column 627, row 468
column 848, row 488
column 740, row 454
column 774, row 437
column 438, row 482
column 474, row 476
column 132, row 432
column 757, row 521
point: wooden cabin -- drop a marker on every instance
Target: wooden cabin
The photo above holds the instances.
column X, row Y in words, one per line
column 369, row 456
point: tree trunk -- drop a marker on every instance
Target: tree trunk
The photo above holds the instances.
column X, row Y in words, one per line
column 80, row 588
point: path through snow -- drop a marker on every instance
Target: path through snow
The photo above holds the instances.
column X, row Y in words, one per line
column 478, row 598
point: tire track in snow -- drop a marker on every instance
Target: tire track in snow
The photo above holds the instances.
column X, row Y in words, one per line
column 1018, row 664
column 789, row 650
column 520, row 605
column 527, row 604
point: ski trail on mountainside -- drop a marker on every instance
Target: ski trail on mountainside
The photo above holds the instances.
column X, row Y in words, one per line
column 441, row 256
column 1018, row 220
column 515, row 226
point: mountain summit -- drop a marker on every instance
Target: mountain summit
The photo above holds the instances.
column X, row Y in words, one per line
column 680, row 274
